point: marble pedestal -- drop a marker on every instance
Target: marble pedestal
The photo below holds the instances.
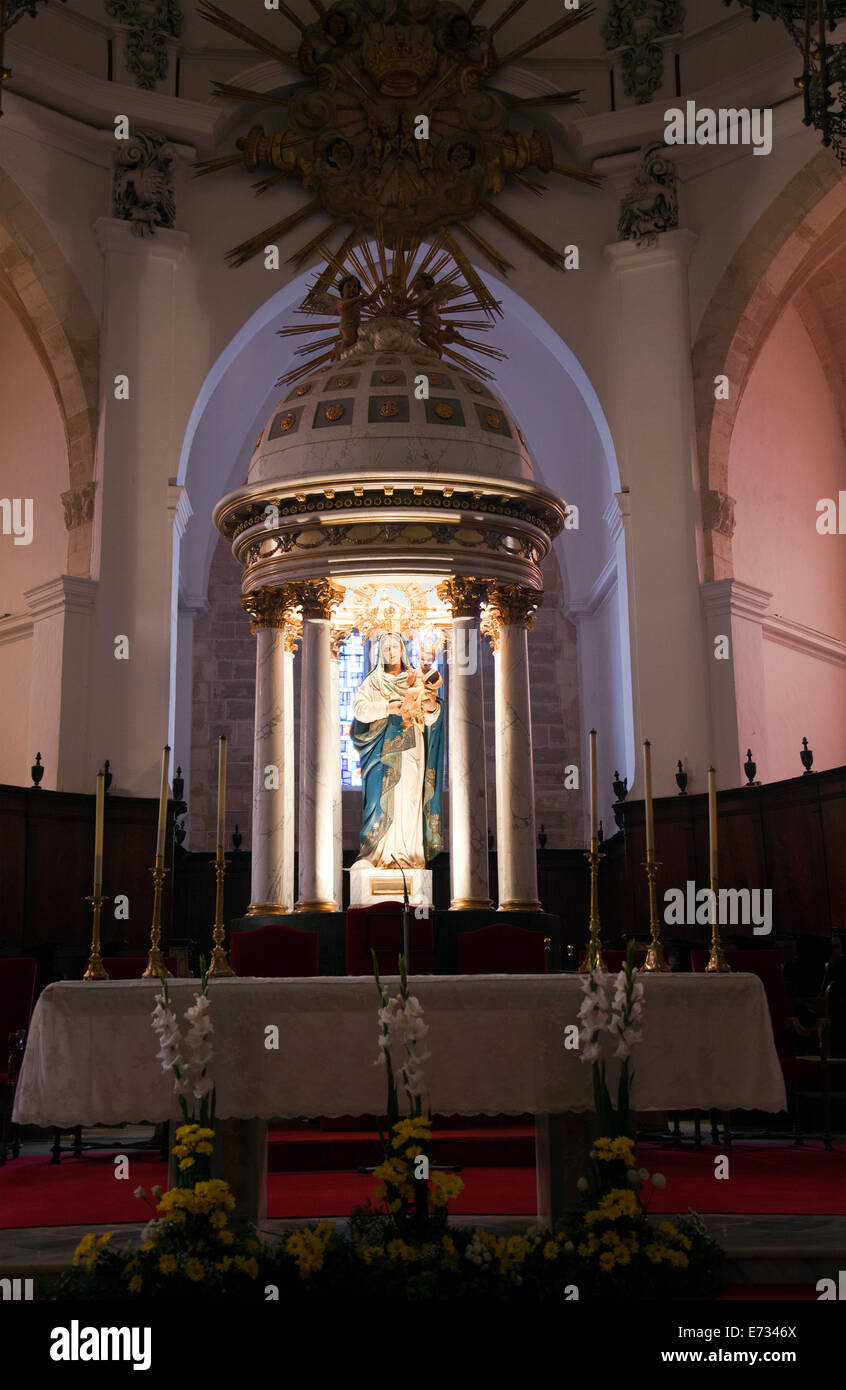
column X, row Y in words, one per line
column 370, row 885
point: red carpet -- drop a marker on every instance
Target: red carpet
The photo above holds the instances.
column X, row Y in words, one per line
column 775, row 1179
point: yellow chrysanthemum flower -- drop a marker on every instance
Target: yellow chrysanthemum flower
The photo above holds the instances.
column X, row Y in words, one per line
column 84, row 1246
column 135, row 1283
column 168, row 1264
column 195, row 1270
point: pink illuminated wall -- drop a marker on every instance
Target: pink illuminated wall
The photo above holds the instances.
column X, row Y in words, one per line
column 33, row 464
column 787, row 453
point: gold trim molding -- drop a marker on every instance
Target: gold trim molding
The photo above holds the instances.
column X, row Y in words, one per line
column 315, row 905
column 262, row 909
column 521, row 905
column 471, row 904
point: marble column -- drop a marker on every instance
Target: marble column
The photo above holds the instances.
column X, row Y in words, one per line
column 139, row 515
column 651, row 416
column 273, row 765
column 319, row 733
column 468, row 797
column 507, row 618
column 337, row 792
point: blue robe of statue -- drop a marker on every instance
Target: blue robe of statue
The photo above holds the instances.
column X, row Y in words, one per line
column 401, row 771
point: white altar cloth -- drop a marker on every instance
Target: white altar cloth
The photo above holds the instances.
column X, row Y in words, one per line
column 497, row 1045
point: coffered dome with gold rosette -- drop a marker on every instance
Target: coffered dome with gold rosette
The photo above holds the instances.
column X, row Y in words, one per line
column 365, row 413
column 354, row 475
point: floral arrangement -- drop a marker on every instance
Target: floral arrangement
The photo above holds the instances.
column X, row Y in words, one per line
column 615, row 1232
column 400, row 1248
column 413, row 1200
column 189, row 1058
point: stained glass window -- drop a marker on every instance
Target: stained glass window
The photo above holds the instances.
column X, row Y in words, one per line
column 351, row 672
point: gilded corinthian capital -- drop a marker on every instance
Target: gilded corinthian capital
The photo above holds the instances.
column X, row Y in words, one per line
column 507, row 605
column 271, row 607
column 316, row 597
column 462, row 595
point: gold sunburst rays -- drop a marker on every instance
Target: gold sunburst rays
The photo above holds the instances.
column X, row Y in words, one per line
column 213, row 14
column 388, row 276
column 381, row 182
column 552, row 31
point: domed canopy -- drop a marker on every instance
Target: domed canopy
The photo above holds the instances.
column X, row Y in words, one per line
column 364, row 412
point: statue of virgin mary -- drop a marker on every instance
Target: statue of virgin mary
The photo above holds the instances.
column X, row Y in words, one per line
column 400, row 743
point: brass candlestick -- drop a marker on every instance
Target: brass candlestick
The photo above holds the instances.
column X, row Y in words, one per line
column 95, row 969
column 655, row 953
column 219, row 959
column 717, row 962
column 155, row 959
column 593, row 955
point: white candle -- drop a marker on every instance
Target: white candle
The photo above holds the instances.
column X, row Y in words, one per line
column 647, row 773
column 98, row 834
column 221, row 788
column 160, row 838
column 594, row 810
column 712, row 824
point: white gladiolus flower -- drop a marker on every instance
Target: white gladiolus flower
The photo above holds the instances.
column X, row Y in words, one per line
column 643, row 1174
column 582, row 1184
column 141, row 1193
column 569, row 1247
column 658, row 1180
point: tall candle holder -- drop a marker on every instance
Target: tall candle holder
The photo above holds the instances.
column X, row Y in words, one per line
column 655, row 951
column 95, row 970
column 593, row 956
column 717, row 963
column 155, row 959
column 219, row 960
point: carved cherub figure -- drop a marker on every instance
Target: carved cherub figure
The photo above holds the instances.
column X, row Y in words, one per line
column 426, row 301
column 347, row 304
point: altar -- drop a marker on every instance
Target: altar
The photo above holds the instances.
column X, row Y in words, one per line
column 497, row 1047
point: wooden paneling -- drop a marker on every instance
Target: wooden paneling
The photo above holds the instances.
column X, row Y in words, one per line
column 48, row 867
column 785, row 836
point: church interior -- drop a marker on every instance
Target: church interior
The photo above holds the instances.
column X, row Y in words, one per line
column 423, row 651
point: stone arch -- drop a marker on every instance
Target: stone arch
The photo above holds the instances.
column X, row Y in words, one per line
column 790, row 240
column 39, row 284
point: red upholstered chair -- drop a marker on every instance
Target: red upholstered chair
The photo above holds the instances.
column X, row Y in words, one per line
column 274, row 950
column 800, row 1073
column 378, row 927
column 502, row 949
column 133, row 967
column 17, row 991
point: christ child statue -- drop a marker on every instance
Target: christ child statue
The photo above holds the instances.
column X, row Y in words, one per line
column 423, row 683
